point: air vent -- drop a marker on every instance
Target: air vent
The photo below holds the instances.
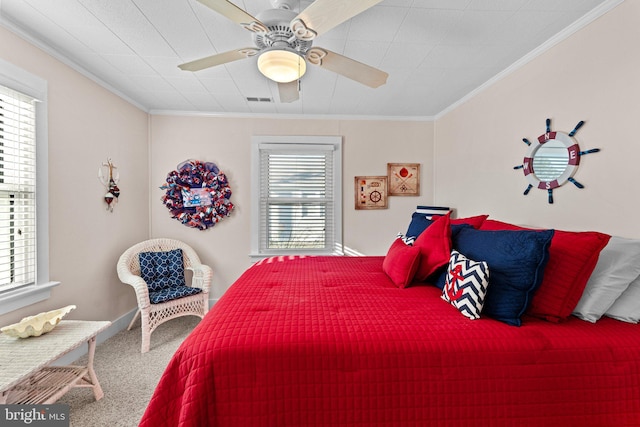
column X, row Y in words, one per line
column 258, row 99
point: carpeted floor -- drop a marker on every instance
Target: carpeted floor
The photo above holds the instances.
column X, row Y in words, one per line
column 127, row 377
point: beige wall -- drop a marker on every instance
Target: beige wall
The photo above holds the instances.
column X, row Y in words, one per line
column 593, row 76
column 367, row 147
column 87, row 125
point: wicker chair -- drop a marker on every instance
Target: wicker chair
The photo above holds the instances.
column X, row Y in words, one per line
column 153, row 315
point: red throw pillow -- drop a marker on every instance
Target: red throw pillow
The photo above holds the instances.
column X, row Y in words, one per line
column 572, row 258
column 435, row 247
column 474, row 221
column 401, row 263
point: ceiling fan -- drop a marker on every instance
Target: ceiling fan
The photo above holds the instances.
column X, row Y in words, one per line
column 283, row 42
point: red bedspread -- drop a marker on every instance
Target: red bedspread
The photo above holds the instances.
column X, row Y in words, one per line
column 330, row 341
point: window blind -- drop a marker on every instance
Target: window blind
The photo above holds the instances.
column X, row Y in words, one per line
column 17, row 189
column 297, row 198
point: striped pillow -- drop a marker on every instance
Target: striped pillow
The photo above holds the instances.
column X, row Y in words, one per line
column 466, row 285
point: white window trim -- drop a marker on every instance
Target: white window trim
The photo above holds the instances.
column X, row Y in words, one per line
column 36, row 87
column 336, row 142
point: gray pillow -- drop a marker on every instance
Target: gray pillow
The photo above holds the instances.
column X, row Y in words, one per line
column 618, row 265
column 627, row 306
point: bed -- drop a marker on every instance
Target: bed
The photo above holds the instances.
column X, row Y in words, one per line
column 341, row 341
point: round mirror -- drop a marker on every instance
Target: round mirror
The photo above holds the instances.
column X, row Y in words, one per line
column 552, row 161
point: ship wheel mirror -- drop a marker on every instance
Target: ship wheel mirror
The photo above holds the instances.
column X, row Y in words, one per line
column 552, row 160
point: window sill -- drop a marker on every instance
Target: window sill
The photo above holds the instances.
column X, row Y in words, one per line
column 21, row 297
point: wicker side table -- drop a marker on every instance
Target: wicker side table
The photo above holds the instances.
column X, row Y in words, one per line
column 26, row 375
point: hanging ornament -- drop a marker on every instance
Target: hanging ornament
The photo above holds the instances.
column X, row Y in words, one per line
column 113, row 192
column 109, row 199
column 197, row 194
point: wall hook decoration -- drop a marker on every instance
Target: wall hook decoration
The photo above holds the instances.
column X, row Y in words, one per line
column 111, row 182
column 552, row 160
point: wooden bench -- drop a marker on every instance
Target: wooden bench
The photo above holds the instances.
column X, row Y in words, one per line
column 26, row 373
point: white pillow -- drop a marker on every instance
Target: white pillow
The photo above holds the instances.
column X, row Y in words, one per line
column 618, row 265
column 627, row 306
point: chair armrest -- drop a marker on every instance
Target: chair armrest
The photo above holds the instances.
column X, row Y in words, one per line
column 202, row 275
column 138, row 284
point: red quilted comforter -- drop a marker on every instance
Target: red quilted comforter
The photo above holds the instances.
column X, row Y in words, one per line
column 330, row 341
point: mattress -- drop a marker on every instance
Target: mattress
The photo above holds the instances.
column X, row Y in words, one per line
column 331, row 341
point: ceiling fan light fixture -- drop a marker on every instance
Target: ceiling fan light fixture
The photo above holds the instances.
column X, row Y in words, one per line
column 282, row 65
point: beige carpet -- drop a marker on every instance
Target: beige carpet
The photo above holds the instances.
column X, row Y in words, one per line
column 127, row 377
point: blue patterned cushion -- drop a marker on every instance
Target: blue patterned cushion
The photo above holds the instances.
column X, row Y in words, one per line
column 466, row 285
column 162, row 269
column 172, row 293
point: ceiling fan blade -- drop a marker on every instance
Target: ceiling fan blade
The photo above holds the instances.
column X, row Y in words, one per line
column 219, row 59
column 289, row 91
column 237, row 15
column 347, row 67
column 323, row 15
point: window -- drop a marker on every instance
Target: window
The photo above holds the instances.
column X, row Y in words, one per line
column 17, row 189
column 297, row 193
column 24, row 267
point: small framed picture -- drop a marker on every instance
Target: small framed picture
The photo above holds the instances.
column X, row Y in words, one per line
column 371, row 192
column 404, row 179
column 196, row 197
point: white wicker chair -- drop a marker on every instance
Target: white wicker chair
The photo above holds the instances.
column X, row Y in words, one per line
column 153, row 315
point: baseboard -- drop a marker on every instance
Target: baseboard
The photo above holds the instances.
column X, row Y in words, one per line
column 116, row 326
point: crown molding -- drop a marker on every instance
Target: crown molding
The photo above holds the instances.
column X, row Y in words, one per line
column 290, row 116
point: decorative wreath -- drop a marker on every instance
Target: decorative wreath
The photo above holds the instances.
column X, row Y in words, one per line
column 197, row 194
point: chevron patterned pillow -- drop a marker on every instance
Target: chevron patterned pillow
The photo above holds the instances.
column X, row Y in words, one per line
column 466, row 284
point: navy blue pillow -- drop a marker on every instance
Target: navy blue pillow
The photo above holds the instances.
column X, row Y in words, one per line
column 162, row 270
column 419, row 223
column 172, row 293
column 516, row 261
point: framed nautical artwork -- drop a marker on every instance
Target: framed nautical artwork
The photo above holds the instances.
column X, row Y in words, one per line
column 404, row 179
column 371, row 192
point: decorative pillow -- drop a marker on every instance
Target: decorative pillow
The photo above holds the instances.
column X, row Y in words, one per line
column 466, row 285
column 439, row 276
column 435, row 248
column 617, row 266
column 162, row 269
column 172, row 293
column 406, row 239
column 627, row 306
column 433, row 210
column 474, row 221
column 420, row 222
column 572, row 258
column 516, row 260
column 401, row 263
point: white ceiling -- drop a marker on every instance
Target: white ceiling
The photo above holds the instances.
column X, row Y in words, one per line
column 435, row 51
